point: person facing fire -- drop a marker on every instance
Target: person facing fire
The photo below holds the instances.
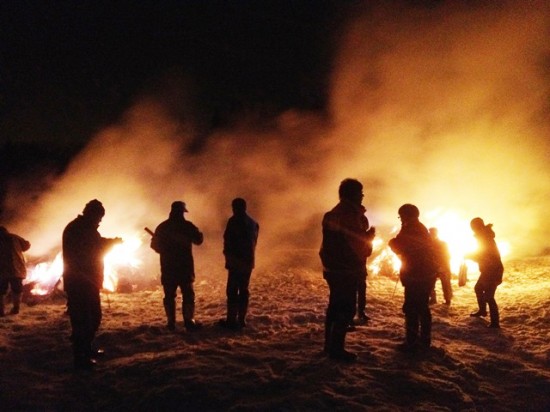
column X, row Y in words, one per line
column 239, row 248
column 83, row 252
column 414, row 247
column 346, row 244
column 443, row 262
column 12, row 268
column 490, row 270
column 173, row 240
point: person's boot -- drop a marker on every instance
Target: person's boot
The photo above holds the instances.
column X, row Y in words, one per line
column 230, row 322
column 241, row 314
column 478, row 314
column 189, row 317
column 328, row 336
column 16, row 299
column 337, row 343
column 495, row 317
column 170, row 310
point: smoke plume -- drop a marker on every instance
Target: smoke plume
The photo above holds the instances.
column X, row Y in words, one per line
column 443, row 106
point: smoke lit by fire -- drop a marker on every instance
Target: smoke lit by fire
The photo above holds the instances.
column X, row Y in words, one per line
column 445, row 107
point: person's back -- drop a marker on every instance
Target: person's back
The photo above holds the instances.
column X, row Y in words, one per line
column 174, row 239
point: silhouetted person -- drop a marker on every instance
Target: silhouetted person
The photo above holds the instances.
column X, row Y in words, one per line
column 12, row 268
column 173, row 240
column 413, row 245
column 83, row 252
column 344, row 250
column 239, row 246
column 443, row 261
column 490, row 270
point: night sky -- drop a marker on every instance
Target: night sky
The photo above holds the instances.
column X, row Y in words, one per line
column 71, row 67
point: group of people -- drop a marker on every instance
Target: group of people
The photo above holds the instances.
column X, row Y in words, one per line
column 346, row 245
column 347, row 242
column 84, row 249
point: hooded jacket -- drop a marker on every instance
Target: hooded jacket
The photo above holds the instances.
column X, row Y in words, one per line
column 488, row 256
column 12, row 260
column 347, row 239
column 413, row 244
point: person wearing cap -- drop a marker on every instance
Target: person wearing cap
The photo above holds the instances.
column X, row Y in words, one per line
column 239, row 248
column 83, row 252
column 173, row 240
column 346, row 244
column 12, row 268
column 490, row 270
column 413, row 244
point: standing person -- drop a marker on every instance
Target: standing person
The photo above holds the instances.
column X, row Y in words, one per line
column 83, row 253
column 173, row 240
column 12, row 268
column 239, row 246
column 413, row 245
column 490, row 270
column 345, row 246
column 443, row 262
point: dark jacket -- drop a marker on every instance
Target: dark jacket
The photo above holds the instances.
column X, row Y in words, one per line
column 488, row 256
column 413, row 244
column 83, row 252
column 173, row 240
column 239, row 242
column 12, row 260
column 347, row 239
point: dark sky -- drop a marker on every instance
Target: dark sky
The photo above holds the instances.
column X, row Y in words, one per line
column 69, row 68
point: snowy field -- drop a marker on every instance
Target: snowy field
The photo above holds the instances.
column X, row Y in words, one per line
column 276, row 363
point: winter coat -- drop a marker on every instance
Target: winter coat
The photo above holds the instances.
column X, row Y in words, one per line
column 173, row 240
column 413, row 244
column 347, row 239
column 12, row 260
column 83, row 252
column 239, row 242
column 442, row 256
column 488, row 256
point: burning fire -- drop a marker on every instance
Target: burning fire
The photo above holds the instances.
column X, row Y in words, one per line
column 120, row 260
column 453, row 228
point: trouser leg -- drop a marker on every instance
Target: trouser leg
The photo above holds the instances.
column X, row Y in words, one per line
column 447, row 287
column 169, row 303
column 244, row 296
column 480, row 296
column 493, row 307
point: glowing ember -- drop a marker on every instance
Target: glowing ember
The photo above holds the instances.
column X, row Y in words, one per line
column 121, row 259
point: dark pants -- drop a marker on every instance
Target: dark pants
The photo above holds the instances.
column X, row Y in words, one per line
column 342, row 302
column 237, row 294
column 361, row 293
column 84, row 307
column 417, row 313
column 342, row 298
column 16, row 285
column 170, row 287
column 485, row 294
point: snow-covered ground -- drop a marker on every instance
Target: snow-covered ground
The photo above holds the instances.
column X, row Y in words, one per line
column 276, row 362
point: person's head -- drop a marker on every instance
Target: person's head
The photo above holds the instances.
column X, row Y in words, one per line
column 178, row 208
column 408, row 213
column 477, row 224
column 238, row 205
column 433, row 232
column 351, row 190
column 94, row 211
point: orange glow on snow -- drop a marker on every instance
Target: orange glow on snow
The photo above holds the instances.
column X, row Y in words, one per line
column 121, row 257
